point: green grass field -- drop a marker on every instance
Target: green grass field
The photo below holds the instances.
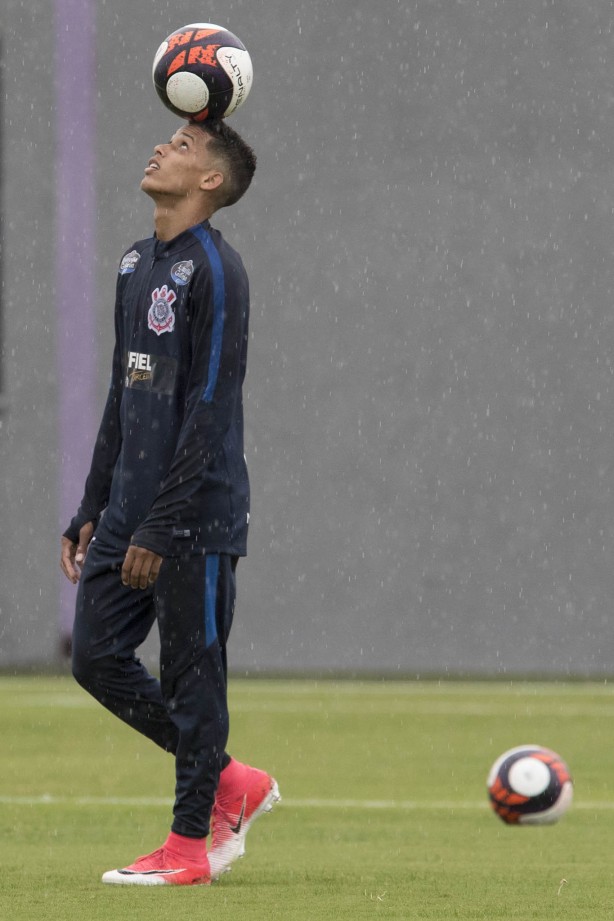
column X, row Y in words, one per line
column 384, row 813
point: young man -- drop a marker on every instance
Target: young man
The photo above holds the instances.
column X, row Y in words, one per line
column 165, row 511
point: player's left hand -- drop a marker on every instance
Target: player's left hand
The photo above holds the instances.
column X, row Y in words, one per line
column 141, row 567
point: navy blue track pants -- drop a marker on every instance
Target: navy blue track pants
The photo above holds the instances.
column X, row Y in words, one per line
column 186, row 711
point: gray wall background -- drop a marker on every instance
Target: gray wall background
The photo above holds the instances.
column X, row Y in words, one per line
column 430, row 395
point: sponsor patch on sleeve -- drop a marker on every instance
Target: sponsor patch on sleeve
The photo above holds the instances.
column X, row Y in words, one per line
column 181, row 272
column 129, row 262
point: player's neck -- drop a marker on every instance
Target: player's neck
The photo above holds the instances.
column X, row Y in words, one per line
column 172, row 219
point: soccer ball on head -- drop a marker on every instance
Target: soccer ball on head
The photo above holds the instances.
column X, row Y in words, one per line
column 202, row 71
column 530, row 785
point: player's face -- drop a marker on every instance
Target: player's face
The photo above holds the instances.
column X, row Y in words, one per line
column 181, row 167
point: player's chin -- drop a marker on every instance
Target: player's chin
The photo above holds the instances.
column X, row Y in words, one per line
column 149, row 184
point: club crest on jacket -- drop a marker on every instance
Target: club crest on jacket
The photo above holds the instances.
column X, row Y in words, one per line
column 161, row 316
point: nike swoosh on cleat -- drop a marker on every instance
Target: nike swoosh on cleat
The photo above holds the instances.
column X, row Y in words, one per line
column 151, row 872
column 237, row 828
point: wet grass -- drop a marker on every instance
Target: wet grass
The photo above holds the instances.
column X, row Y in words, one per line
column 384, row 812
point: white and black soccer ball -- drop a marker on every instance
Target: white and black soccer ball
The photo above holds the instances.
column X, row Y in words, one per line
column 202, row 71
column 530, row 785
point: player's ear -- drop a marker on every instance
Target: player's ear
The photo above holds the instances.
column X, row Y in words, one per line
column 211, row 180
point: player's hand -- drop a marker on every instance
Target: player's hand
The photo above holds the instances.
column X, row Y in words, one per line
column 73, row 555
column 141, row 567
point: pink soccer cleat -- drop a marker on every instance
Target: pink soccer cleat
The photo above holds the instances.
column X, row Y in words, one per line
column 179, row 862
column 243, row 794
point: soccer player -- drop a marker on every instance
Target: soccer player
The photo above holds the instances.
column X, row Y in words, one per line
column 165, row 511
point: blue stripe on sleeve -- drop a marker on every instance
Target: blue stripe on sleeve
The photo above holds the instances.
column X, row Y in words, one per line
column 212, row 565
column 219, row 298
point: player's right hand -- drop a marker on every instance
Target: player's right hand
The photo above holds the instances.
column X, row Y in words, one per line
column 73, row 555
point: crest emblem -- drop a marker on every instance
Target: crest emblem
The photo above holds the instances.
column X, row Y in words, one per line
column 182, row 272
column 161, row 316
column 129, row 262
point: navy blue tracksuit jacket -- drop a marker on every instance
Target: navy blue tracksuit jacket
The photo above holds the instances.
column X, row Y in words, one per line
column 168, row 470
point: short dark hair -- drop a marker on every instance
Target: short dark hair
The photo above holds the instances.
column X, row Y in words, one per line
column 225, row 143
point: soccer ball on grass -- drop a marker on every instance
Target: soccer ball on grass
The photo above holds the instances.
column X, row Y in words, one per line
column 530, row 785
column 202, row 71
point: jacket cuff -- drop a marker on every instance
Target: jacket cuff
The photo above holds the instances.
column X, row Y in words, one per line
column 157, row 543
column 73, row 529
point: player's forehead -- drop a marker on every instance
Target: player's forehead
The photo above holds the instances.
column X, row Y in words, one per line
column 192, row 134
column 196, row 140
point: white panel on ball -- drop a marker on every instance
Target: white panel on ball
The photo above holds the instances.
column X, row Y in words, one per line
column 187, row 91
